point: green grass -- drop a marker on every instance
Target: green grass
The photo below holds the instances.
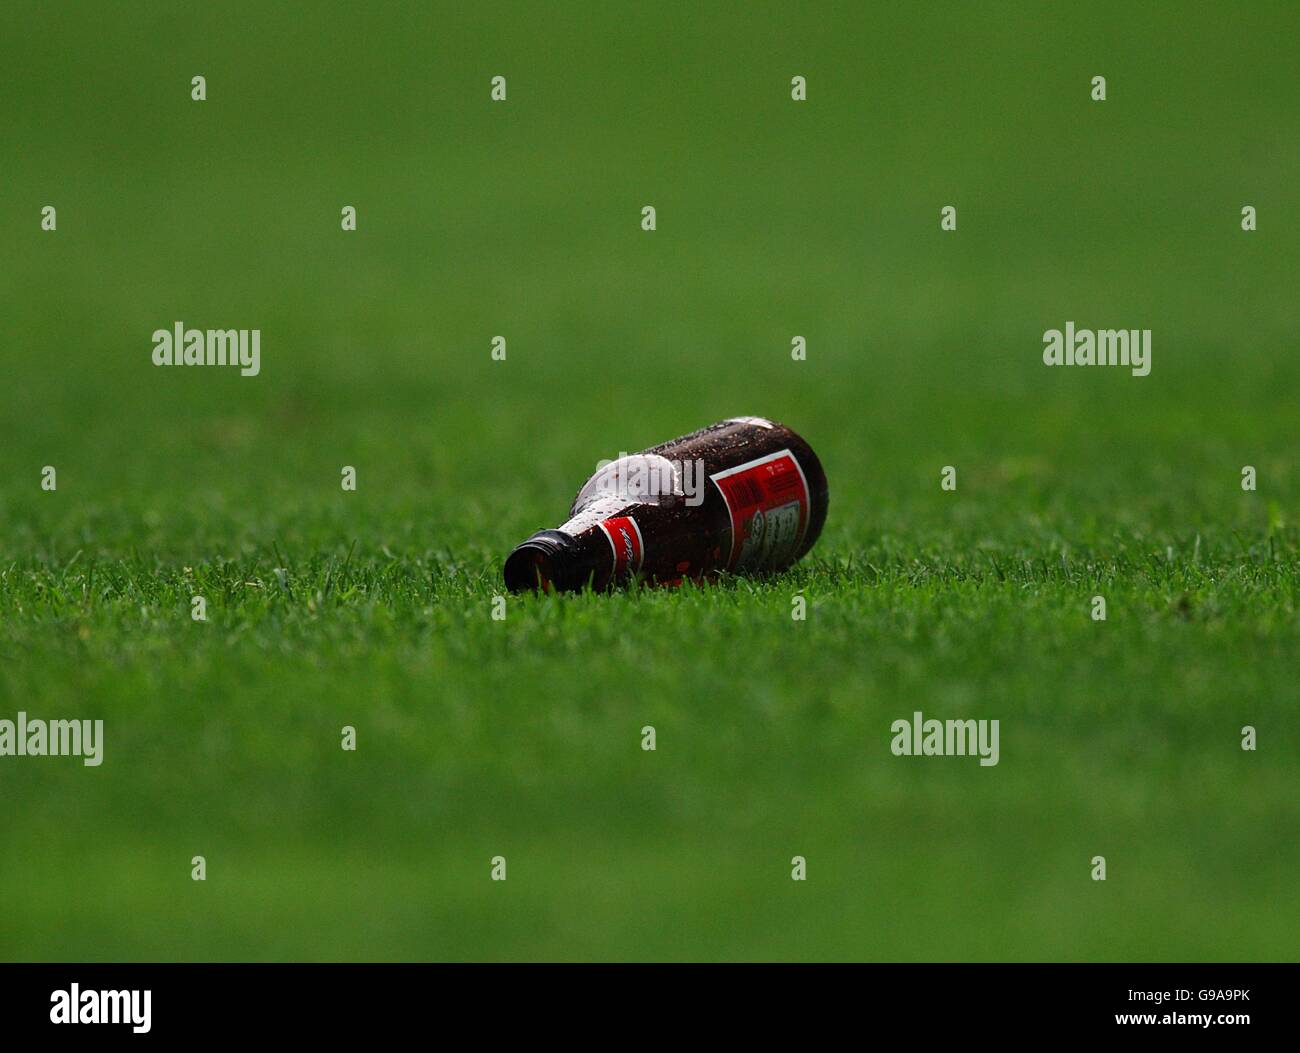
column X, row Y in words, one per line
column 521, row 737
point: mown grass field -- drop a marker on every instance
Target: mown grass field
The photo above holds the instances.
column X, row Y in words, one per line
column 521, row 738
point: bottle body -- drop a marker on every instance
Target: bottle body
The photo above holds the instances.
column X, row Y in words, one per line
column 745, row 495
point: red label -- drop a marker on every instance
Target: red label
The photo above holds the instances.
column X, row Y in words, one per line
column 768, row 501
column 625, row 539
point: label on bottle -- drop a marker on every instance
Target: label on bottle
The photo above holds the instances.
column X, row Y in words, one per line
column 625, row 539
column 768, row 502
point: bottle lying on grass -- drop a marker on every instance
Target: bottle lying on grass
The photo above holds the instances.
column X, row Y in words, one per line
column 743, row 496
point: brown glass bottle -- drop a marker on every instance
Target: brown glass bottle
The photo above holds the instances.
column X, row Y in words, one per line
column 745, row 495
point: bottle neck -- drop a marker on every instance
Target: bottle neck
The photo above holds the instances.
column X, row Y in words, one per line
column 554, row 561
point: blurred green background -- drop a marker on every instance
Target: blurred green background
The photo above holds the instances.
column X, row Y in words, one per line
column 521, row 738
